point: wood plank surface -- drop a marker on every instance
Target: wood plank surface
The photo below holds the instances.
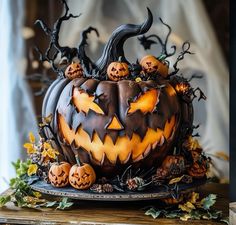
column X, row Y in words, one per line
column 110, row 213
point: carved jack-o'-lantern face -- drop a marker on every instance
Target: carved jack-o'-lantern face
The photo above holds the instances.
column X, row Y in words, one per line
column 117, row 71
column 58, row 174
column 115, row 123
column 74, row 70
column 150, row 64
column 82, row 176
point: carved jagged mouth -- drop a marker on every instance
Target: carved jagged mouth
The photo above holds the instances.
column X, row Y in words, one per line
column 81, row 184
column 124, row 148
column 118, row 76
column 55, row 183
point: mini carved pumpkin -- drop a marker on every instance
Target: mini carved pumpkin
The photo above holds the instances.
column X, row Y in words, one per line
column 117, row 71
column 198, row 170
column 81, row 176
column 74, row 70
column 114, row 124
column 174, row 164
column 58, row 174
column 150, row 64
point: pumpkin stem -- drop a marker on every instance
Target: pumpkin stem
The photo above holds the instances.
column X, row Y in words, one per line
column 120, row 59
column 78, row 160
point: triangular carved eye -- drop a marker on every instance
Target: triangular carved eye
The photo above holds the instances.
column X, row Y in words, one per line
column 145, row 102
column 84, row 102
column 115, row 124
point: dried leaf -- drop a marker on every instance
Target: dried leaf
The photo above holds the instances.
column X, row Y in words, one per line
column 185, row 217
column 32, row 169
column 187, row 207
column 31, row 137
column 176, row 180
column 194, row 197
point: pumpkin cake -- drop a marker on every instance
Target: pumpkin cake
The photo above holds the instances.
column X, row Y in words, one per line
column 112, row 117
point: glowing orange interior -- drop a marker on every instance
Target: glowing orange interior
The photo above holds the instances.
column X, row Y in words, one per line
column 115, row 124
column 84, row 102
column 124, row 148
column 146, row 102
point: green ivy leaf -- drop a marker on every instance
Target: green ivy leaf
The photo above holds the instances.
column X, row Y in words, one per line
column 154, row 213
column 51, row 204
column 64, row 204
column 209, row 201
column 4, row 200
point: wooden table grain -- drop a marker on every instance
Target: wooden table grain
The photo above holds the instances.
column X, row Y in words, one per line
column 107, row 213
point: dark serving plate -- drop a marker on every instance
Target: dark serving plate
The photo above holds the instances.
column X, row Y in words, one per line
column 150, row 194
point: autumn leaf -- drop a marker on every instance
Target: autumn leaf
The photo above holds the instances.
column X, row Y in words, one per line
column 32, row 169
column 30, row 148
column 187, row 207
column 194, row 197
column 138, row 79
column 176, row 180
column 31, row 138
column 37, row 194
column 185, row 217
column 46, row 145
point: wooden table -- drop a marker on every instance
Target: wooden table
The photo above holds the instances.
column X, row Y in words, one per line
column 86, row 213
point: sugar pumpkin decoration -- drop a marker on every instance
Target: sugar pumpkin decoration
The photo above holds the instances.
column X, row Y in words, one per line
column 117, row 70
column 81, row 176
column 151, row 65
column 74, row 70
column 58, row 174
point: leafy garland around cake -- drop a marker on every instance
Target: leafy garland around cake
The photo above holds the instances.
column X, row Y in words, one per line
column 51, row 161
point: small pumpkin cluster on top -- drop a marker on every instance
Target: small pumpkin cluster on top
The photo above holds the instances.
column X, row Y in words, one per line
column 116, row 71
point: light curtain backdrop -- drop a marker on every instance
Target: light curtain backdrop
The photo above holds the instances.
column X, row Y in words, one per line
column 17, row 116
column 188, row 20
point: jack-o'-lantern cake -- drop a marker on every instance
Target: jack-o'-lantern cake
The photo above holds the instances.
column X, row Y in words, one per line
column 111, row 115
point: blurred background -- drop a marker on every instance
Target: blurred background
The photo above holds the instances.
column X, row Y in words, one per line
column 24, row 79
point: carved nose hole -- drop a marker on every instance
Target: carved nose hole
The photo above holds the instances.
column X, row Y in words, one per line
column 114, row 124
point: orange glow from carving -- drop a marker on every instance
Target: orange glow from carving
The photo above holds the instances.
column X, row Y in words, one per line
column 181, row 88
column 146, row 102
column 115, row 124
column 84, row 102
column 124, row 148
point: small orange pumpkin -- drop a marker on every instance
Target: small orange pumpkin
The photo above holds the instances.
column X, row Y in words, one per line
column 150, row 64
column 74, row 70
column 81, row 176
column 117, row 70
column 58, row 174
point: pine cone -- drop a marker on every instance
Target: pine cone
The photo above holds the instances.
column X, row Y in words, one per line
column 96, row 188
column 107, row 188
